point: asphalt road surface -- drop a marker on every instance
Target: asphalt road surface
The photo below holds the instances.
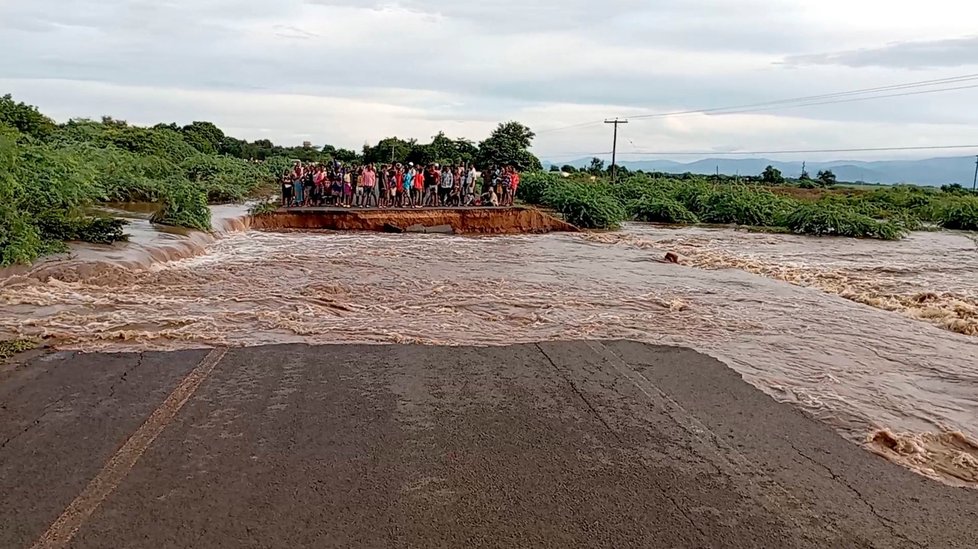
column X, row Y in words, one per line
column 577, row 444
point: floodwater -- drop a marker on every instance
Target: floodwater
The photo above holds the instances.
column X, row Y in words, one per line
column 875, row 338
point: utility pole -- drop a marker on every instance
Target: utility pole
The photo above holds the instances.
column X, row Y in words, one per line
column 614, row 148
column 974, row 186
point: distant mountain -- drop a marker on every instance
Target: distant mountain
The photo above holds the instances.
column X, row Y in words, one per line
column 931, row 171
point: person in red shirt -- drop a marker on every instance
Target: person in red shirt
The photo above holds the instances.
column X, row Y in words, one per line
column 514, row 183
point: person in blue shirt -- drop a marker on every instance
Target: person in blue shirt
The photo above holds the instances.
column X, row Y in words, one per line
column 408, row 185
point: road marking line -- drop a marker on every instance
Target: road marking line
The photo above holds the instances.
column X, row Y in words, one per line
column 61, row 532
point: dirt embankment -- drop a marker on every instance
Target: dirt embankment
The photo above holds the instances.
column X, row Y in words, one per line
column 462, row 220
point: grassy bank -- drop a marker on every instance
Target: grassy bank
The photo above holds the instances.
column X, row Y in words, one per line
column 884, row 213
column 51, row 173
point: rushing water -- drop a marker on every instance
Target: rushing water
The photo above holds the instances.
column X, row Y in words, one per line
column 869, row 336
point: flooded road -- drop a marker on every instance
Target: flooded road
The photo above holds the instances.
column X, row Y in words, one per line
column 901, row 380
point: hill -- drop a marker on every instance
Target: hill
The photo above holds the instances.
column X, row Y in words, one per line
column 931, row 171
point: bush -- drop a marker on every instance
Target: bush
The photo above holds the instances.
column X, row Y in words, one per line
column 743, row 207
column 820, row 220
column 184, row 206
column 97, row 230
column 263, row 208
column 585, row 205
column 962, row 214
column 661, row 210
column 20, row 240
column 635, row 188
column 533, row 185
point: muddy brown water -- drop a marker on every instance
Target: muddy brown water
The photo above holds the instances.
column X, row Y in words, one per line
column 875, row 338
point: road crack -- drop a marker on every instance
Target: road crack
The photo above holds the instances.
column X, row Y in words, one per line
column 125, row 373
column 882, row 519
column 618, row 437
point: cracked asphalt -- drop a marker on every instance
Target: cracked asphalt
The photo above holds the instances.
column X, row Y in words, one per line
column 573, row 444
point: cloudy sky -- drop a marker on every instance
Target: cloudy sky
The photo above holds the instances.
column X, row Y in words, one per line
column 346, row 72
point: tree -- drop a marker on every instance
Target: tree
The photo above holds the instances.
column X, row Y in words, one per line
column 387, row 150
column 204, row 136
column 509, row 145
column 826, row 178
column 772, row 176
column 25, row 118
column 596, row 166
column 567, row 168
column 342, row 155
column 554, row 168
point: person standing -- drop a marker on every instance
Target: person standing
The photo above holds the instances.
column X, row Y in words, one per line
column 366, row 189
column 347, row 188
column 419, row 183
column 407, row 200
column 383, row 175
column 287, row 192
column 355, row 171
column 514, row 183
column 471, row 180
column 445, row 184
column 297, row 183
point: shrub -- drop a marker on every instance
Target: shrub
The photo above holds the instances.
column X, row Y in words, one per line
column 661, row 210
column 820, row 220
column 961, row 214
column 635, row 188
column 184, row 206
column 533, row 185
column 263, row 208
column 98, row 230
column 585, row 205
column 20, row 240
column 743, row 207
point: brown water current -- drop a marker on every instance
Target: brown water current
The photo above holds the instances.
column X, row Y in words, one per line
column 870, row 337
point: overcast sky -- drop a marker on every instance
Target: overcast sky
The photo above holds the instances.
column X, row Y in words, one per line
column 346, row 72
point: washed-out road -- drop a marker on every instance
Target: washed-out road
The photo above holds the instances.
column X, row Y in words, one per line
column 573, row 444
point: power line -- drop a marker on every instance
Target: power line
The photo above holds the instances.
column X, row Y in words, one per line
column 738, row 108
column 792, row 151
column 562, row 128
column 805, row 101
column 848, row 100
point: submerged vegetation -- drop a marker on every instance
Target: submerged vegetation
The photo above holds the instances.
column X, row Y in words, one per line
column 11, row 347
column 885, row 213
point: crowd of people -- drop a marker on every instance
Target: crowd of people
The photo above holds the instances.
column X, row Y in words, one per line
column 397, row 185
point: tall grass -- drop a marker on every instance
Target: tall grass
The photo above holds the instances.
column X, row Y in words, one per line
column 886, row 213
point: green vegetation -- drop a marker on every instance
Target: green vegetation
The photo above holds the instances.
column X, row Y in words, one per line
column 659, row 209
column 585, row 204
column 961, row 214
column 11, row 347
column 832, row 220
column 885, row 212
column 51, row 174
column 265, row 207
column 184, row 205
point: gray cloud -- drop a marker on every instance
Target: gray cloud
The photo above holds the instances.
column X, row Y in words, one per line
column 463, row 60
column 953, row 52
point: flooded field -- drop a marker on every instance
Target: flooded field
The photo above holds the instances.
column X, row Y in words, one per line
column 874, row 338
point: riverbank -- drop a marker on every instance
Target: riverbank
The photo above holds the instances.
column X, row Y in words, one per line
column 573, row 444
column 468, row 220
